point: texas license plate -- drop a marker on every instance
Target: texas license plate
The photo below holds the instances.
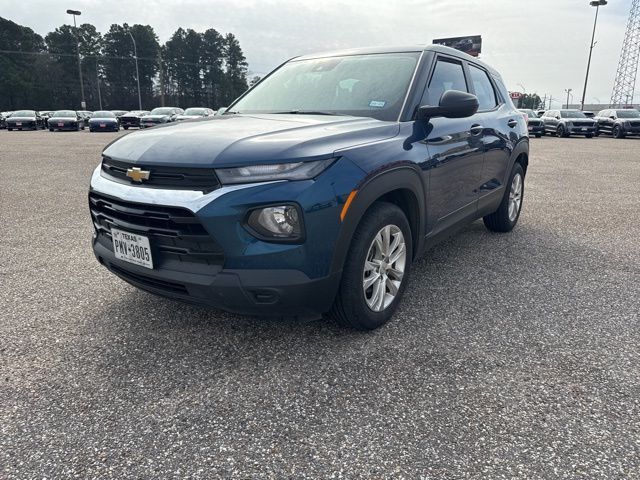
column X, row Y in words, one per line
column 18, row 124
column 103, row 125
column 61, row 124
column 584, row 129
column 132, row 248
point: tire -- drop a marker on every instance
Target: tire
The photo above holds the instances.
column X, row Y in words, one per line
column 51, row 129
column 617, row 132
column 10, row 129
column 126, row 128
column 503, row 219
column 538, row 135
column 351, row 307
column 589, row 135
column 560, row 132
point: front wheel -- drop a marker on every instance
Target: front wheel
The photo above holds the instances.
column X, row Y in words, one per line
column 376, row 270
column 617, row 132
column 507, row 214
column 126, row 128
column 561, row 132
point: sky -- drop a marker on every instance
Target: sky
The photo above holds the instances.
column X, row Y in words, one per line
column 538, row 46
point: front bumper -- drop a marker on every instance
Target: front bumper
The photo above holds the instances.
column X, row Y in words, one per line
column 23, row 125
column 65, row 126
column 108, row 127
column 581, row 130
column 631, row 131
column 129, row 122
column 250, row 276
column 536, row 128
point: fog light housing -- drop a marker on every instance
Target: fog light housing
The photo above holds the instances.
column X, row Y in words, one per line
column 279, row 223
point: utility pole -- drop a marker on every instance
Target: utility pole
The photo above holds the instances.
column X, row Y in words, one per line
column 83, row 104
column 625, row 82
column 597, row 4
column 161, row 81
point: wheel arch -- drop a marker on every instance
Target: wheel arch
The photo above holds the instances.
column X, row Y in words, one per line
column 400, row 185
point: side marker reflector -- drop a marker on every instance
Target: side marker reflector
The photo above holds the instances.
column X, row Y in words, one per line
column 347, row 204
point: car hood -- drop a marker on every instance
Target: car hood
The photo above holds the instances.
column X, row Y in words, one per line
column 21, row 119
column 232, row 140
column 66, row 119
column 578, row 119
column 105, row 119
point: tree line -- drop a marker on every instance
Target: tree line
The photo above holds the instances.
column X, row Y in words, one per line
column 191, row 69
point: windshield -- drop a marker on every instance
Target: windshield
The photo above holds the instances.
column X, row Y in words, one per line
column 572, row 114
column 628, row 113
column 24, row 113
column 194, row 111
column 103, row 114
column 64, row 113
column 162, row 111
column 360, row 85
column 529, row 113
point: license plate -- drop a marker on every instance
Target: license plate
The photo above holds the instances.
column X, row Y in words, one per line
column 103, row 125
column 132, row 248
column 530, row 129
column 61, row 124
column 584, row 129
column 18, row 124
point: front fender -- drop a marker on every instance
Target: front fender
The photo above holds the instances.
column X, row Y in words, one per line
column 402, row 176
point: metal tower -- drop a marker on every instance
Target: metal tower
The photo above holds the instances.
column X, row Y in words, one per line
column 625, row 83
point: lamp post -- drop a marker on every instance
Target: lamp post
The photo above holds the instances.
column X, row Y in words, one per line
column 135, row 55
column 597, row 4
column 568, row 90
column 83, row 104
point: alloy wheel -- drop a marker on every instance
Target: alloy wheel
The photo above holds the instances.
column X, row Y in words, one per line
column 384, row 268
column 515, row 197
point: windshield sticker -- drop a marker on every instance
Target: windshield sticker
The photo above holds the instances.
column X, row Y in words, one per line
column 376, row 104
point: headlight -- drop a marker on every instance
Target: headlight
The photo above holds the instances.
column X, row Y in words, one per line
column 279, row 171
column 281, row 223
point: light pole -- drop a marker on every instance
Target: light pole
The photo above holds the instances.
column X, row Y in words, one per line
column 568, row 90
column 135, row 55
column 83, row 104
column 597, row 4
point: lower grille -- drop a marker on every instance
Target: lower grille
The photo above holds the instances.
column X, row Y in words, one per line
column 175, row 234
column 583, row 124
column 150, row 282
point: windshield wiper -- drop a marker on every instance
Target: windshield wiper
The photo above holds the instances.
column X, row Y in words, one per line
column 306, row 112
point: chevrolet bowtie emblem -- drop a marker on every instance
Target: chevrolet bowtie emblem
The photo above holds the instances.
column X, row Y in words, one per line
column 137, row 175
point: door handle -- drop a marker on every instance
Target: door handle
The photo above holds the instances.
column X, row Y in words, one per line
column 476, row 129
column 512, row 123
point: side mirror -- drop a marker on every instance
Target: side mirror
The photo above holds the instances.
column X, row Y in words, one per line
column 612, row 117
column 557, row 117
column 453, row 104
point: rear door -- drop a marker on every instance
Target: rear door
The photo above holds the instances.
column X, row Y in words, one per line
column 455, row 151
column 498, row 120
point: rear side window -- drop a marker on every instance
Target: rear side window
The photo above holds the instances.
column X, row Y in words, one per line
column 447, row 75
column 484, row 89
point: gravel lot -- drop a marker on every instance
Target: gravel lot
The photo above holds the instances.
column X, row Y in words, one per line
column 512, row 356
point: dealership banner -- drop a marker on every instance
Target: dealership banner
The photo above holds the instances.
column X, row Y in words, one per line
column 471, row 45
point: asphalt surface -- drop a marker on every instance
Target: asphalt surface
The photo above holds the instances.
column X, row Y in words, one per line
column 511, row 356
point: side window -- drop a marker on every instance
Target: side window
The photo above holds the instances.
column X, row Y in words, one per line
column 484, row 89
column 448, row 75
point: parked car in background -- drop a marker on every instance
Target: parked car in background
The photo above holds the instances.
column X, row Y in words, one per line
column 564, row 123
column 105, row 121
column 3, row 120
column 45, row 115
column 317, row 189
column 619, row 123
column 119, row 113
column 160, row 115
column 66, row 120
column 132, row 118
column 534, row 124
column 192, row 113
column 540, row 113
column 24, row 120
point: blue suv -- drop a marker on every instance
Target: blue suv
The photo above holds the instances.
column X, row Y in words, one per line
column 316, row 190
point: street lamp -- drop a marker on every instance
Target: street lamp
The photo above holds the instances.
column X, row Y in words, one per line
column 135, row 55
column 568, row 90
column 597, row 4
column 74, row 13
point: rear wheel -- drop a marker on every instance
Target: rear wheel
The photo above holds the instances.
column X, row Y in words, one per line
column 126, row 128
column 10, row 129
column 506, row 216
column 589, row 135
column 538, row 135
column 376, row 270
column 617, row 132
